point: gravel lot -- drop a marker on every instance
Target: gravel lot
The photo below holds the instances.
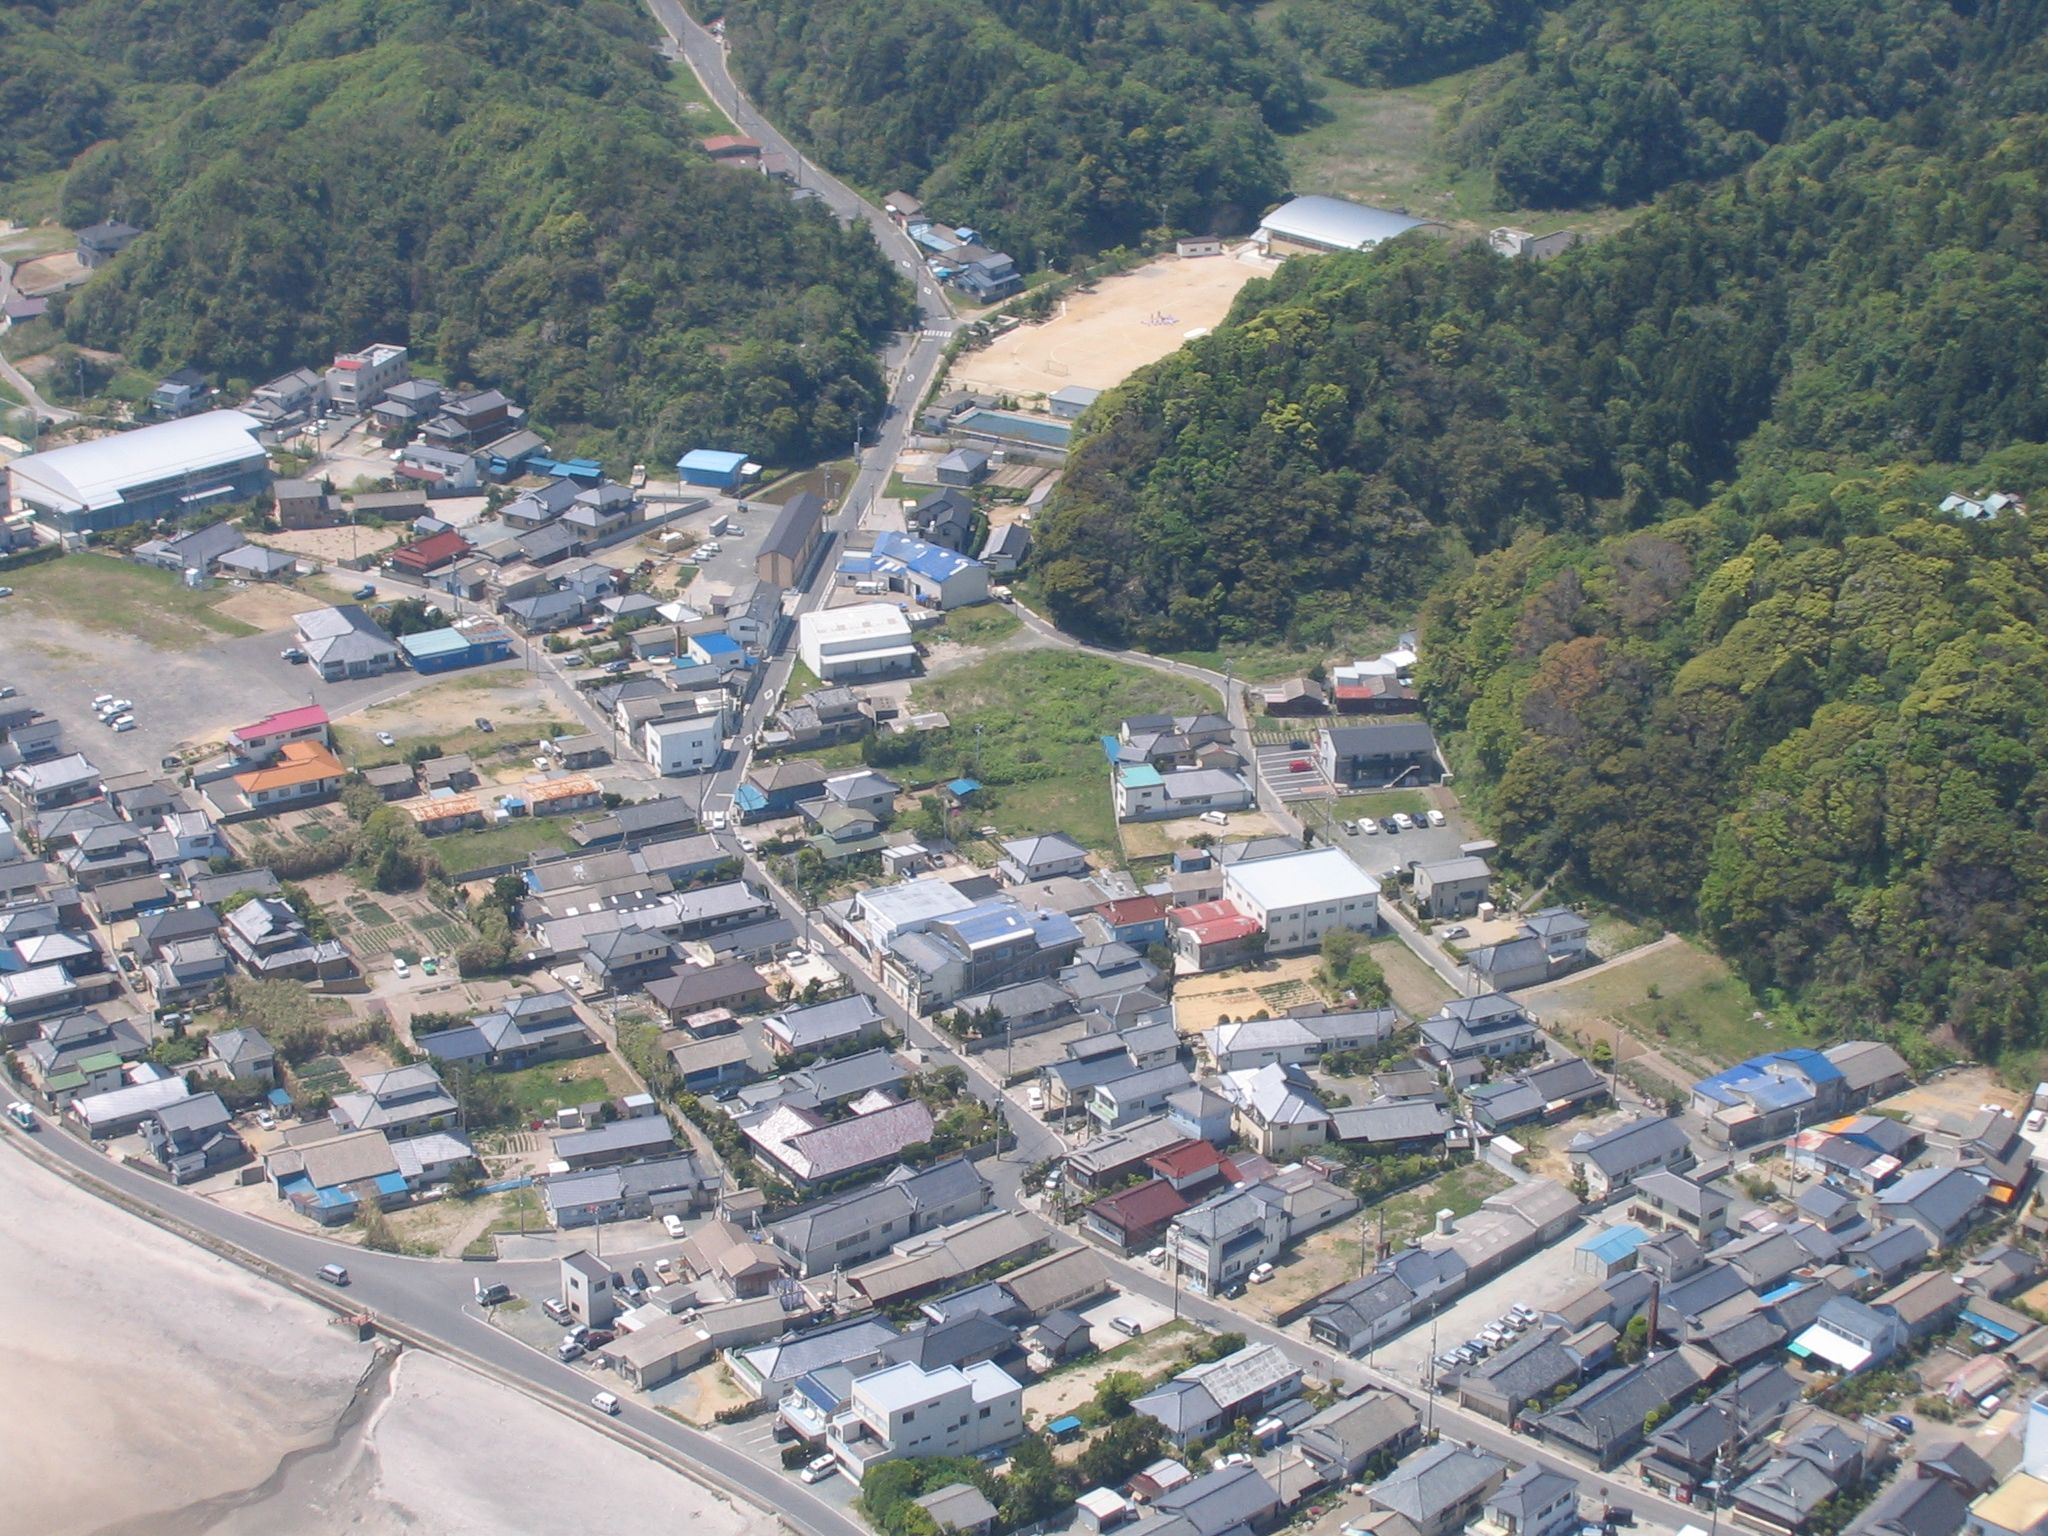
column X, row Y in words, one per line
column 1536, row 1282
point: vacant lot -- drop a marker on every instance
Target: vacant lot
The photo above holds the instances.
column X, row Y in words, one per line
column 103, row 592
column 1160, row 839
column 1040, row 716
column 507, row 843
column 1272, row 987
column 517, row 704
column 1103, row 335
column 1676, row 1000
column 1418, row 990
column 1954, row 1097
column 1067, row 1390
column 331, row 545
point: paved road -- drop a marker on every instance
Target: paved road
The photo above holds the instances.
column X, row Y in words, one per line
column 37, row 405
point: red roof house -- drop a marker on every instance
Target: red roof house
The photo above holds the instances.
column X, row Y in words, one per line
column 430, row 553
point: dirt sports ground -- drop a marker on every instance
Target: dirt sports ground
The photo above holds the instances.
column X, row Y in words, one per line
column 1103, row 335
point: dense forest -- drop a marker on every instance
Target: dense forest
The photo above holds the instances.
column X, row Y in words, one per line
column 1812, row 715
column 1054, row 126
column 1616, row 99
column 1388, row 42
column 1364, row 423
column 512, row 188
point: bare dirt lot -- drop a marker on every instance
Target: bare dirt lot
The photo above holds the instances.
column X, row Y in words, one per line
column 1276, row 986
column 1954, row 1097
column 1068, row 1390
column 50, row 274
column 513, row 700
column 330, row 545
column 1159, row 839
column 1104, row 335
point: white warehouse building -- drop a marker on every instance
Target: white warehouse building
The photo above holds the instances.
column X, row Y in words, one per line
column 1306, row 226
column 169, row 470
column 1299, row 897
column 865, row 640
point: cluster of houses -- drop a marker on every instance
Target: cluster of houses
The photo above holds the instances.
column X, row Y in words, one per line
column 958, row 256
column 1383, row 685
column 1165, row 766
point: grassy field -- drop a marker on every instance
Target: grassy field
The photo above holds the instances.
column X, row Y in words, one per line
column 107, row 593
column 519, row 1210
column 1413, row 1212
column 1418, row 990
column 537, row 1092
column 1678, row 999
column 508, row 843
column 1385, row 146
column 1041, row 716
column 983, row 624
column 702, row 114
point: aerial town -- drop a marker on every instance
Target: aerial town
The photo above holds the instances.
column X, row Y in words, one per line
column 747, row 967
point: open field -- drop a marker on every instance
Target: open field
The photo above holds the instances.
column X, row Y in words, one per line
column 1418, row 990
column 255, row 1371
column 508, row 843
column 1954, row 1097
column 982, row 624
column 1273, row 987
column 1064, row 1391
column 516, row 702
column 1041, row 714
column 103, row 592
column 1384, row 146
column 1381, row 803
column 1676, row 999
column 1103, row 335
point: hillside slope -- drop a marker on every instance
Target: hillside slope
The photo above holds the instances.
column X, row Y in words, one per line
column 512, row 188
column 1364, row 423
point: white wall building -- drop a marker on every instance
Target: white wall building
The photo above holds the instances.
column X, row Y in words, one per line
column 865, row 640
column 676, row 747
column 905, row 1410
column 1299, row 897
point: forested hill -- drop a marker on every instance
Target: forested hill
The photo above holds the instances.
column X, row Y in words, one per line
column 511, row 187
column 1055, row 126
column 1363, row 423
column 1812, row 717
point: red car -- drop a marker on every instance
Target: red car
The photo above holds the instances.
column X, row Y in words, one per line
column 1299, row 765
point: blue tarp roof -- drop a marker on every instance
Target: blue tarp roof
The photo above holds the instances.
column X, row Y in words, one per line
column 749, row 798
column 716, row 645
column 1065, row 1424
column 964, row 787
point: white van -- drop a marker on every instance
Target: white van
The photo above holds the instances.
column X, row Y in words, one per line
column 820, row 1469
column 605, row 1402
column 334, row 1274
column 1216, row 818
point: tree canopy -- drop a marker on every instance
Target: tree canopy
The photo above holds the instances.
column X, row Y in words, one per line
column 1055, row 127
column 511, row 189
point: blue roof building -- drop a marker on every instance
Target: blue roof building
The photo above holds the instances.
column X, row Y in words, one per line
column 713, row 467
column 717, row 650
column 1605, row 1252
column 1771, row 1095
column 444, row 650
column 936, row 576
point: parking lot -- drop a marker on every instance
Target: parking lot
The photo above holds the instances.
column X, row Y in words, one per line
column 1539, row 1281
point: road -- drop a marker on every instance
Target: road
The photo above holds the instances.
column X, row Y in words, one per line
column 37, row 405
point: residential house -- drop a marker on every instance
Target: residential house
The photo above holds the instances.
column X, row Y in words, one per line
column 903, row 1410
column 193, row 1138
column 344, row 642
column 1373, row 1428
column 1552, row 943
column 1204, row 1399
column 521, row 1032
column 271, row 942
column 1604, row 1420
column 807, row 1149
column 242, row 1053
column 1439, row 1490
column 816, row 1026
column 1451, row 887
column 401, row 1102
column 1814, row 1463
column 1132, row 1220
column 1546, row 1093
column 1235, row 1499
column 614, row 1142
column 1666, row 1199
column 1611, row 1161
column 1485, row 1027
column 1026, row 860
column 1534, row 1502
column 651, row 1188
column 1942, row 1202
column 1932, row 1497
column 1278, row 1109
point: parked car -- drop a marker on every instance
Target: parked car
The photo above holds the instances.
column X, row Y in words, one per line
column 399, row 967
column 615, row 667
column 430, row 965
column 124, row 723
column 293, row 654
column 483, row 724
column 1403, row 822
column 1901, row 1423
column 1436, row 818
column 1034, row 1098
column 1368, row 826
column 21, row 1114
column 386, row 739
column 494, row 1294
column 1457, row 931
column 1298, row 765
column 673, row 1225
column 266, row 1119
column 569, row 1350
column 554, row 1309
column 6, row 591
column 367, row 589
column 1262, row 1274
column 597, row 1338
column 820, row 1469
column 1129, row 1327
column 1216, row 818
column 640, row 1277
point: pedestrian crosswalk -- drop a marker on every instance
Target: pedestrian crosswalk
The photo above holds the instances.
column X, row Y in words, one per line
column 937, row 332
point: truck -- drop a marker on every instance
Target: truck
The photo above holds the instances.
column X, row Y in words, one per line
column 22, row 1115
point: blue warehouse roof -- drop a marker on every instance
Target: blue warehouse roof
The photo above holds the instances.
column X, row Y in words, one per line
column 716, row 459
